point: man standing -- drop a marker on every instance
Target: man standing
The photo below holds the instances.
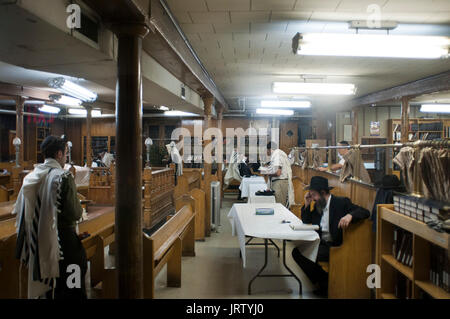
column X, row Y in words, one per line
column 341, row 153
column 332, row 214
column 281, row 175
column 47, row 210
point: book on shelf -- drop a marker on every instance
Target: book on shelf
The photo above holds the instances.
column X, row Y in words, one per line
column 439, row 267
column 402, row 246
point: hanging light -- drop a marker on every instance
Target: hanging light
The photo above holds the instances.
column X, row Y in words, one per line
column 285, row 104
column 83, row 112
column 435, row 108
column 49, row 109
column 65, row 100
column 275, row 112
column 73, row 89
column 178, row 113
column 371, row 45
column 314, row 88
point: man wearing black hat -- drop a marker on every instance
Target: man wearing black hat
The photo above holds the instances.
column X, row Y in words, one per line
column 332, row 214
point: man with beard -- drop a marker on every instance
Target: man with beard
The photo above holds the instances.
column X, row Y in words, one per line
column 332, row 214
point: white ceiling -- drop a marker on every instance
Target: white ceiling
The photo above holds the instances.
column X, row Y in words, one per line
column 246, row 44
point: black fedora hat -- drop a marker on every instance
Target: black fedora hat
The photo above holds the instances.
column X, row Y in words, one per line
column 318, row 183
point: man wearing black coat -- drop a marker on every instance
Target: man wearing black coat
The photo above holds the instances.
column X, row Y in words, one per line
column 332, row 214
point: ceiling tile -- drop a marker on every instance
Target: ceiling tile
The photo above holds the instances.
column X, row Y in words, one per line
column 228, row 5
column 242, row 17
column 235, row 27
column 359, row 5
column 194, row 5
column 210, row 17
column 272, row 5
column 325, row 5
column 197, row 28
column 268, row 27
column 278, row 16
column 406, row 6
column 182, row 17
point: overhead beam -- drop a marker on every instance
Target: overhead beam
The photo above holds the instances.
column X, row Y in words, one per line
column 14, row 90
column 432, row 84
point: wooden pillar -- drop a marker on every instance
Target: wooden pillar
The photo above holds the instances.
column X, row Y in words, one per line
column 20, row 102
column 405, row 119
column 208, row 102
column 88, row 136
column 129, row 259
column 355, row 132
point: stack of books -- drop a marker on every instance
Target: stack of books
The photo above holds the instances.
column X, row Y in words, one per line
column 439, row 267
column 403, row 287
column 434, row 126
column 402, row 246
column 422, row 209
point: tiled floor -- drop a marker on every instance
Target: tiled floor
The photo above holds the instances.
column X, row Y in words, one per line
column 216, row 271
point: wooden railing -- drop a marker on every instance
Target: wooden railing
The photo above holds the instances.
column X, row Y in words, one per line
column 102, row 185
column 158, row 195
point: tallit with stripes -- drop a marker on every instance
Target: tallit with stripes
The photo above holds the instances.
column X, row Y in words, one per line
column 37, row 207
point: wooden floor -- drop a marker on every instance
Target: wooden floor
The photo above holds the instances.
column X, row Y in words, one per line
column 217, row 272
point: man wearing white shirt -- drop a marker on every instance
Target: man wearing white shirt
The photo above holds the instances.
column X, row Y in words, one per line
column 281, row 174
column 341, row 152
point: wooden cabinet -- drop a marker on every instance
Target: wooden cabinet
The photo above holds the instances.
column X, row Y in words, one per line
column 42, row 132
column 423, row 241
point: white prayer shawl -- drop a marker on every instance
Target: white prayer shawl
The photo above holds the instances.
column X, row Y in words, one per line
column 233, row 169
column 285, row 166
column 176, row 157
column 107, row 159
column 41, row 186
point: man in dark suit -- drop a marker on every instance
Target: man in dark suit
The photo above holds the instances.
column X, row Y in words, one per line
column 332, row 214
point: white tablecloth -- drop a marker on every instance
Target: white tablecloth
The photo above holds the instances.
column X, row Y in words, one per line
column 261, row 199
column 250, row 185
column 245, row 222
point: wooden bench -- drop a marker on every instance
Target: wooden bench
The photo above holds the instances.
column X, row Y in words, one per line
column 95, row 252
column 9, row 269
column 162, row 248
column 348, row 263
column 187, row 234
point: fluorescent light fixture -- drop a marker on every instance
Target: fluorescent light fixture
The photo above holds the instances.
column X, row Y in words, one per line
column 371, row 45
column 73, row 89
column 163, row 108
column 435, row 108
column 83, row 112
column 34, row 102
column 286, row 104
column 49, row 109
column 314, row 88
column 178, row 113
column 65, row 100
column 275, row 112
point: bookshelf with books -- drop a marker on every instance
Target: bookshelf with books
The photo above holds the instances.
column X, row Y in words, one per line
column 42, row 131
column 413, row 257
column 420, row 129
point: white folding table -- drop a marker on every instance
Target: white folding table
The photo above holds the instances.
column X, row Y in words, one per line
column 245, row 222
column 250, row 185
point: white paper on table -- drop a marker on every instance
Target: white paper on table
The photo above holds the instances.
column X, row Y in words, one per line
column 301, row 226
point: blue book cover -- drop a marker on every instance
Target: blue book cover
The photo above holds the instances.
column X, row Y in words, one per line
column 264, row 211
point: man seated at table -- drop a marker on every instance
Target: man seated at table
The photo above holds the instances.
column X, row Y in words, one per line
column 341, row 152
column 332, row 214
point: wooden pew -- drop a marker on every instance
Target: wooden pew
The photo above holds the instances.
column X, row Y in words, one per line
column 158, row 195
column 200, row 212
column 6, row 209
column 348, row 263
column 95, row 248
column 9, row 269
column 187, row 234
column 102, row 185
column 4, row 194
column 162, row 248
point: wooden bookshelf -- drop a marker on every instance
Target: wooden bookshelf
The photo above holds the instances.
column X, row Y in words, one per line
column 423, row 238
